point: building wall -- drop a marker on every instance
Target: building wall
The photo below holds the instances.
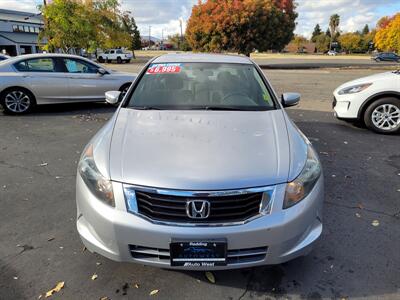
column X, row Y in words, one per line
column 14, row 22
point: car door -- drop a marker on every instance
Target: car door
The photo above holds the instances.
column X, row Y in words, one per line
column 86, row 83
column 45, row 79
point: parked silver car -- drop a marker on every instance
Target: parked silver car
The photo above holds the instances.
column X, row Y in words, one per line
column 200, row 168
column 4, row 57
column 29, row 80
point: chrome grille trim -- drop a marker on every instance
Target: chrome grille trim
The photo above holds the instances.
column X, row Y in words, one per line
column 162, row 256
column 131, row 190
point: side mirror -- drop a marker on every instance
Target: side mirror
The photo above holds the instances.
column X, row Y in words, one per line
column 112, row 97
column 290, row 99
column 101, row 71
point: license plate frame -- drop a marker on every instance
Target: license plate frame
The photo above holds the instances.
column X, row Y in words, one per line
column 198, row 253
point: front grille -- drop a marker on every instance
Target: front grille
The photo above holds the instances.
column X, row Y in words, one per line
column 237, row 256
column 168, row 208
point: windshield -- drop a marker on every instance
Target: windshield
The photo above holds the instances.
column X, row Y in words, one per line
column 201, row 86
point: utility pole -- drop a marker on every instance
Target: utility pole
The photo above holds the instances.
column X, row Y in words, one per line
column 180, row 24
column 149, row 35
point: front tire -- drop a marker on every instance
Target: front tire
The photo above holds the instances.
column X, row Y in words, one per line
column 119, row 60
column 124, row 89
column 17, row 101
column 101, row 60
column 383, row 116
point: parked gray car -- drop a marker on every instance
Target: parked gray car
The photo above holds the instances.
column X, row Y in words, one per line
column 200, row 168
column 29, row 80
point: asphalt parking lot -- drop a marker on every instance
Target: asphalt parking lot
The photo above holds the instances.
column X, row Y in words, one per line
column 357, row 256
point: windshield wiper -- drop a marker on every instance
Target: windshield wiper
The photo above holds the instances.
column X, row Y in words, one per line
column 146, row 107
column 222, row 108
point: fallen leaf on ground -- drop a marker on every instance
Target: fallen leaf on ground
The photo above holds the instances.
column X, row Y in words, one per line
column 98, row 263
column 153, row 292
column 40, row 296
column 43, row 164
column 210, row 277
column 104, row 298
column 136, row 285
column 94, row 276
column 358, row 215
column 360, row 206
column 50, row 239
column 375, row 223
column 56, row 289
column 84, row 249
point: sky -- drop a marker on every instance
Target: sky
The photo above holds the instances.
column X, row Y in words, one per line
column 163, row 15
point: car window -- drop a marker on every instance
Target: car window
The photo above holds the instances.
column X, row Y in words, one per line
column 119, row 51
column 79, row 66
column 35, row 65
column 202, row 86
column 112, row 51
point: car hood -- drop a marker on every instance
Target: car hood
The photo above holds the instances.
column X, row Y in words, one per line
column 368, row 79
column 199, row 150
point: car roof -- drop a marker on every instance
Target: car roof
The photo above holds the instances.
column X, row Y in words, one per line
column 38, row 55
column 202, row 57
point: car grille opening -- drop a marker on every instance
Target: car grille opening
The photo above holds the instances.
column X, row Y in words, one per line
column 236, row 256
column 223, row 209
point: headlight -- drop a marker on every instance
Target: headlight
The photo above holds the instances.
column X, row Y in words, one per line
column 299, row 188
column 354, row 89
column 100, row 186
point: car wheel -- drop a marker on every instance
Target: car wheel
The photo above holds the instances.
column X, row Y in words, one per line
column 124, row 89
column 17, row 101
column 119, row 60
column 383, row 115
column 128, row 61
column 101, row 60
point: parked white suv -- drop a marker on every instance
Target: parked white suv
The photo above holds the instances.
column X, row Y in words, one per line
column 373, row 100
column 117, row 55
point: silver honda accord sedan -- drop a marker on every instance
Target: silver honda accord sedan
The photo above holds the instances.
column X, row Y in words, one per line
column 30, row 80
column 200, row 168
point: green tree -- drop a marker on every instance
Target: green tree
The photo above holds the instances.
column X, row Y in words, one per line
column 334, row 21
column 241, row 26
column 317, row 31
column 365, row 29
column 368, row 41
column 179, row 43
column 83, row 24
column 107, row 20
column 129, row 25
column 66, row 26
column 322, row 43
column 327, row 32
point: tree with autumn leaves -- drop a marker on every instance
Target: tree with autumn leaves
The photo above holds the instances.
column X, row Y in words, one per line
column 241, row 25
column 387, row 37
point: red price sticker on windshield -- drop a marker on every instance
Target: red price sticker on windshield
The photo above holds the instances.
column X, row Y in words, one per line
column 164, row 68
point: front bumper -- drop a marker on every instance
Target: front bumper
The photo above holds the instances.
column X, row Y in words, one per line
column 272, row 239
column 347, row 106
